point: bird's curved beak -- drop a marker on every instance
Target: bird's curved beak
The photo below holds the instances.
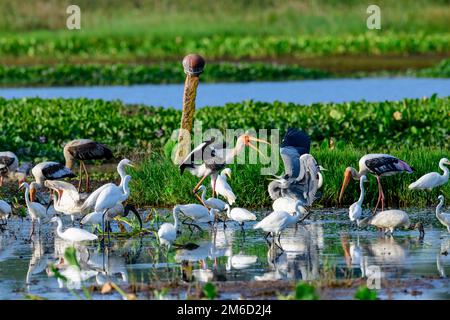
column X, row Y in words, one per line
column 250, row 145
column 48, row 205
column 135, row 212
column 228, row 175
column 322, row 168
column 347, row 177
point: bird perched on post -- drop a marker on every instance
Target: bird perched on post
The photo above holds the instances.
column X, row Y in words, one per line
column 83, row 150
column 212, row 158
column 8, row 163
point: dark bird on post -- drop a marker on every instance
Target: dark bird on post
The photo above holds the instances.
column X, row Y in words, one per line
column 83, row 150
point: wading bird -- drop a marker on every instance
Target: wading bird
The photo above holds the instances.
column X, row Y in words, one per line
column 72, row 234
column 379, row 165
column 168, row 232
column 443, row 217
column 222, row 187
column 50, row 171
column 83, row 150
column 110, row 197
column 89, row 203
column 8, row 164
column 432, row 179
column 95, row 218
column 21, row 173
column 5, row 213
column 214, row 159
column 389, row 220
column 240, row 215
column 355, row 210
column 196, row 212
column 36, row 210
column 277, row 221
column 66, row 198
column 212, row 202
column 300, row 181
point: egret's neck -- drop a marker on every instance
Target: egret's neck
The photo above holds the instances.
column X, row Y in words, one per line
column 204, row 194
column 59, row 227
column 27, row 196
column 126, row 189
column 439, row 207
column 298, row 213
column 445, row 169
column 361, row 196
column 175, row 218
column 121, row 171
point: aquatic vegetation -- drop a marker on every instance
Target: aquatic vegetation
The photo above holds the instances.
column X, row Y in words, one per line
column 210, row 290
column 364, row 293
column 140, row 130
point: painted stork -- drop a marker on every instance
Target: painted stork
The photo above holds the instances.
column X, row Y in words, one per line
column 389, row 220
column 50, row 171
column 355, row 211
column 214, row 159
column 66, row 198
column 432, row 179
column 379, row 165
column 222, row 187
column 168, row 232
column 277, row 221
column 300, row 181
column 89, row 203
column 72, row 234
column 443, row 217
column 83, row 150
column 8, row 164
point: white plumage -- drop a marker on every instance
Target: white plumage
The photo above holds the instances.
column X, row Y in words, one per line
column 196, row 212
column 50, row 170
column 240, row 261
column 432, row 179
column 240, row 215
column 95, row 218
column 388, row 220
column 167, row 233
column 286, row 204
column 443, row 217
column 222, row 186
column 212, row 202
column 66, row 198
column 355, row 210
column 72, row 234
column 5, row 210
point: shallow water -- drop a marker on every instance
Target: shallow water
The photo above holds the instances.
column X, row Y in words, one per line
column 328, row 246
column 216, row 94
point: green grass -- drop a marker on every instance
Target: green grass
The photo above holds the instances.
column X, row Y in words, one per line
column 157, row 180
column 172, row 72
column 150, row 29
column 36, row 129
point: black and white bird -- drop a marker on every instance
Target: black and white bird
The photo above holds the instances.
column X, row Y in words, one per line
column 301, row 178
column 208, row 159
column 50, row 170
column 83, row 150
column 8, row 164
column 379, row 165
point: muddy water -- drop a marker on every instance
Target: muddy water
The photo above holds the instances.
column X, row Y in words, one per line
column 327, row 247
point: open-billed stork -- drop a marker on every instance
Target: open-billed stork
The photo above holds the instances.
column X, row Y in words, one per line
column 50, row 170
column 389, row 220
column 8, row 164
column 83, row 150
column 213, row 159
column 379, row 165
column 432, row 179
column 301, row 177
column 443, row 217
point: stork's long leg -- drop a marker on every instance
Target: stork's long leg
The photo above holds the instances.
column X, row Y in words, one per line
column 196, row 189
column 80, row 177
column 214, row 186
column 88, row 179
column 380, row 196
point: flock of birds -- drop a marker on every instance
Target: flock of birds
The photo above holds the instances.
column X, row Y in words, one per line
column 293, row 193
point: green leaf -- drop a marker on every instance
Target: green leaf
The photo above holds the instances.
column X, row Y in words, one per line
column 210, row 290
column 304, row 291
column 71, row 256
column 364, row 293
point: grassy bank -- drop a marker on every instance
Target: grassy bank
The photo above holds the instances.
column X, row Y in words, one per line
column 36, row 129
column 91, row 48
column 172, row 72
column 157, row 182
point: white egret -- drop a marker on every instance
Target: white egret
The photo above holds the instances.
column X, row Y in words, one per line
column 240, row 215
column 212, row 202
column 287, row 204
column 196, row 212
column 432, row 179
column 277, row 221
column 36, row 210
column 5, row 213
column 223, row 188
column 443, row 217
column 72, row 234
column 355, row 210
column 167, row 233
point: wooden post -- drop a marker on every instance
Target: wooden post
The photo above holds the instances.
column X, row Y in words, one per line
column 193, row 65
